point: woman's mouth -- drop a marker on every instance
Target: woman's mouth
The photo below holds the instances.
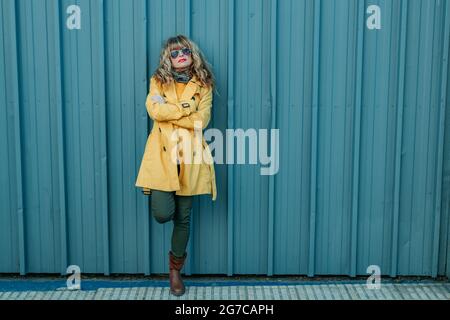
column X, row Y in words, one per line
column 182, row 60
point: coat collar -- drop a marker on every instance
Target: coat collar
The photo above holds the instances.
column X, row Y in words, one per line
column 192, row 87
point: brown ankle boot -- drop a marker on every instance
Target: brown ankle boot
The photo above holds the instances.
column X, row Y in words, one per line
column 175, row 265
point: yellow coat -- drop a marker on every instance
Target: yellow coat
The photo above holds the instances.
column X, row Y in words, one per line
column 173, row 121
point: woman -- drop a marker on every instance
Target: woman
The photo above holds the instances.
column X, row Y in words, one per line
column 177, row 163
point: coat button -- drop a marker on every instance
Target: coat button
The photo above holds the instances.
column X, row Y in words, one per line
column 164, row 148
column 181, row 153
column 194, row 153
column 159, row 129
column 180, row 138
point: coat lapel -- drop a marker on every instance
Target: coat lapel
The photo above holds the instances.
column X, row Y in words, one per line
column 191, row 88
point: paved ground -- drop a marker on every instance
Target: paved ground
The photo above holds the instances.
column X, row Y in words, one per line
column 16, row 288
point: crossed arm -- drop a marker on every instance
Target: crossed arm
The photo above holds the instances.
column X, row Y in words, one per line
column 201, row 117
column 160, row 110
column 185, row 117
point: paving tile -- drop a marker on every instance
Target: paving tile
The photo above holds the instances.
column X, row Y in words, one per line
column 267, row 291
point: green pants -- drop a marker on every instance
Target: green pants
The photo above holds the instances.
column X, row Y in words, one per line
column 166, row 206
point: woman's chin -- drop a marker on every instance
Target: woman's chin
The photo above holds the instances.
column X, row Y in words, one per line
column 182, row 67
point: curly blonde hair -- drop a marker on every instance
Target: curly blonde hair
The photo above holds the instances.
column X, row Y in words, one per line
column 200, row 67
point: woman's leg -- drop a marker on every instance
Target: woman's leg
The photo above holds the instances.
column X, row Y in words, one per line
column 181, row 224
column 163, row 205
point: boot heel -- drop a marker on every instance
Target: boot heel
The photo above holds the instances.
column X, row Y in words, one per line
column 177, row 287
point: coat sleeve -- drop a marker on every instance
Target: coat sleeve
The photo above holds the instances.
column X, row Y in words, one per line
column 202, row 116
column 165, row 111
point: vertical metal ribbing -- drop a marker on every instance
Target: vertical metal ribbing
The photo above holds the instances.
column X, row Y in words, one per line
column 447, row 249
column 145, row 204
column 189, row 264
column 448, row 242
column 103, row 130
column 357, row 137
column 440, row 154
column 60, row 131
column 15, row 100
column 398, row 144
column 187, row 18
column 314, row 141
column 273, row 102
column 230, row 124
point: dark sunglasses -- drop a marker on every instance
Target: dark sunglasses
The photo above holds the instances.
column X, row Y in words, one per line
column 175, row 53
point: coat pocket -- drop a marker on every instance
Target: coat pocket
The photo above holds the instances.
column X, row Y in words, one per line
column 208, row 159
column 151, row 146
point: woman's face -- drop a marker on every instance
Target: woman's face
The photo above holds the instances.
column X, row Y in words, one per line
column 180, row 57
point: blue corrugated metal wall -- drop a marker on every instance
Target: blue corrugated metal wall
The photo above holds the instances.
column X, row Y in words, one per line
column 364, row 167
